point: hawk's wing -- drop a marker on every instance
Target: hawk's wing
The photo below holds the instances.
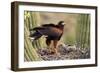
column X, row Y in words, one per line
column 49, row 31
column 49, row 25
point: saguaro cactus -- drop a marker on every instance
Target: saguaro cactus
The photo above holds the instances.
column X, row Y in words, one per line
column 83, row 31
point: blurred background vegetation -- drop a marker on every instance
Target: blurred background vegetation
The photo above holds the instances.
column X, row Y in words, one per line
column 76, row 31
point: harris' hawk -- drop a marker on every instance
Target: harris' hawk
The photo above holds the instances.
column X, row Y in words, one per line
column 52, row 32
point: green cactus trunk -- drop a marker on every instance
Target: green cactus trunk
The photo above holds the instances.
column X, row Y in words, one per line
column 83, row 31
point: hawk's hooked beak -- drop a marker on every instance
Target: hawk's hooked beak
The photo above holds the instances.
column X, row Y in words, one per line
column 63, row 23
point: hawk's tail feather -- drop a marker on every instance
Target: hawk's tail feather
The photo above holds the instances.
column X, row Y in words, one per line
column 37, row 28
column 35, row 36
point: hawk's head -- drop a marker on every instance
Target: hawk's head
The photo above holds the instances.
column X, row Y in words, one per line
column 61, row 23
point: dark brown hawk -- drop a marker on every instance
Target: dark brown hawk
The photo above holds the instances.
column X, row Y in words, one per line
column 52, row 32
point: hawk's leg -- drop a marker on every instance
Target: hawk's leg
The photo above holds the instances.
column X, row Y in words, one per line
column 49, row 45
column 55, row 47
